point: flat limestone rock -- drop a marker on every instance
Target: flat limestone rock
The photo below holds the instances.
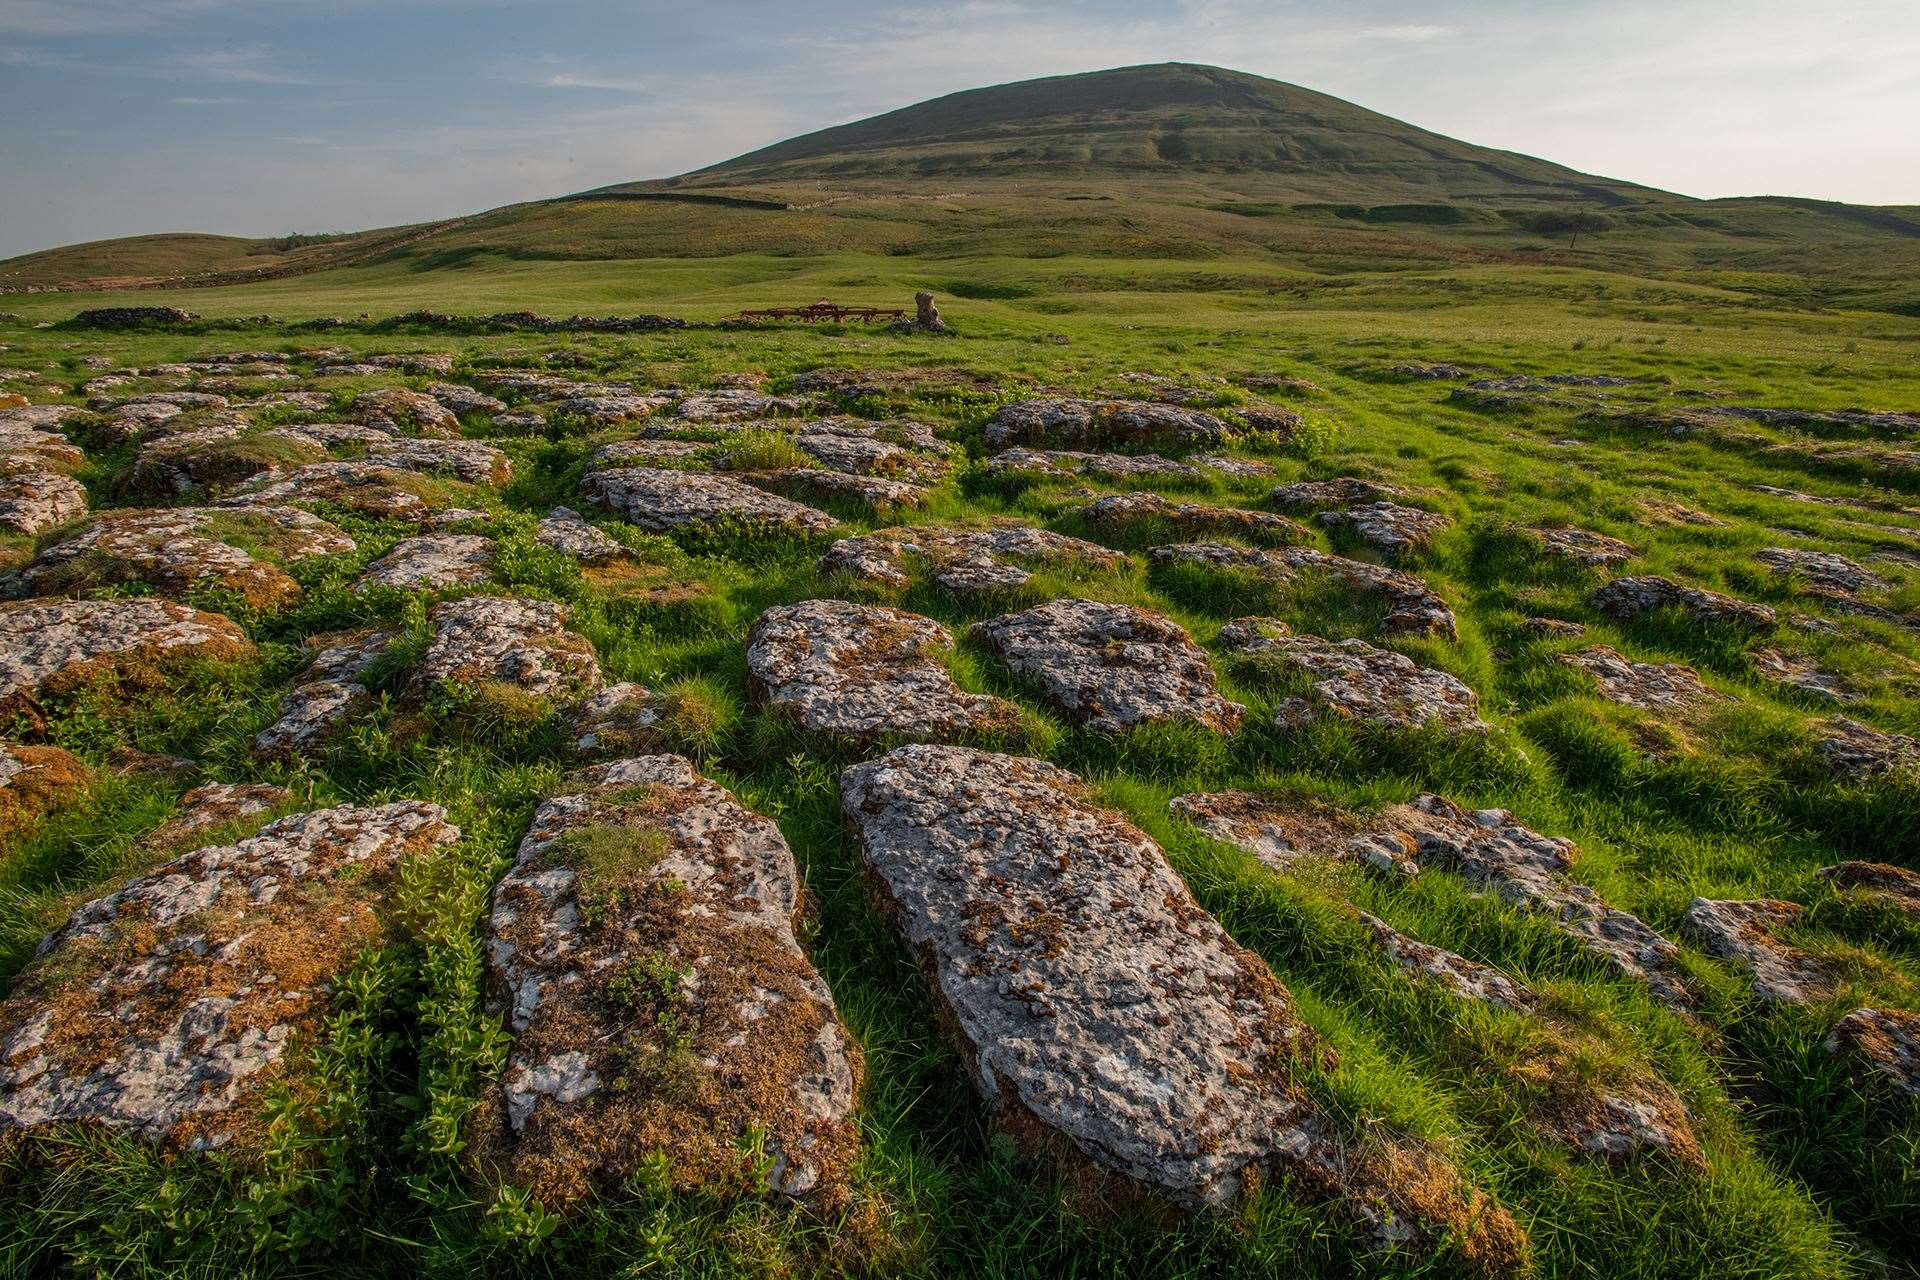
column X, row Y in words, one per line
column 1342, row 491
column 610, row 409
column 1628, row 598
column 661, row 501
column 620, row 720
column 1228, row 465
column 567, row 531
column 898, row 450
column 1124, row 511
column 1395, row 531
column 52, row 647
column 503, row 639
column 961, row 558
column 1582, row 545
column 407, row 408
column 168, row 1009
column 1279, row 829
column 217, row 804
column 460, row 398
column 1353, row 680
column 466, row 460
column 30, row 448
column 36, row 501
column 1743, row 932
column 1111, row 667
column 711, row 406
column 1651, row 686
column 325, row 694
column 1888, row 1040
column 643, row 951
column 182, row 549
column 1466, row 978
column 1104, row 1017
column 1798, row 672
column 1129, row 423
column 1894, row 886
column 1860, row 751
column 35, row 781
column 366, row 487
column 1115, row 466
column 1414, row 608
column 1824, row 572
column 864, row 671
column 431, row 562
column 877, row 492
column 331, row 435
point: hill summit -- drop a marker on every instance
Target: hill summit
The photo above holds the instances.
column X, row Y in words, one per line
column 1163, row 123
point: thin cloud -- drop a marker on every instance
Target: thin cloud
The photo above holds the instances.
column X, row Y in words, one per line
column 255, row 64
column 207, row 102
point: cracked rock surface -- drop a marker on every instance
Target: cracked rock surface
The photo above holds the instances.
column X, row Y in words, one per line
column 1353, row 680
column 1413, row 607
column 366, row 487
column 524, row 643
column 1824, row 572
column 1743, row 932
column 1628, row 598
column 167, row 1009
column 1860, row 750
column 323, row 695
column 1342, row 491
column 1466, row 978
column 1887, row 1040
column 864, row 671
column 1118, row 466
column 1395, row 531
column 817, row 483
column 650, row 891
column 962, row 558
column 1194, row 520
column 36, row 501
column 1582, row 546
column 55, row 646
column 568, row 532
column 660, row 501
column 1128, row 423
column 1109, row 666
column 466, row 460
column 1651, row 686
column 430, row 562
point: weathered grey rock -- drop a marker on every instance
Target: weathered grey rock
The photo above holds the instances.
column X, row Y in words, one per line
column 324, row 695
column 1801, row 673
column 466, row 460
column 1894, row 886
column 1466, row 978
column 864, row 672
column 1342, row 491
column 1111, row 667
column 1651, row 686
column 648, row 451
column 1628, row 598
column 1582, row 545
column 1129, row 423
column 431, row 562
column 661, row 501
column 525, row 421
column 567, row 531
column 219, row 804
column 899, row 449
column 1887, row 1039
column 1278, row 829
column 1352, row 680
column 366, row 487
column 961, row 558
column 621, row 719
column 500, row 639
column 609, row 410
column 420, row 362
column 460, row 398
column 36, row 501
column 331, row 435
column 408, row 408
column 1395, row 531
column 1129, row 510
column 877, row 492
column 650, row 891
column 1824, row 572
column 709, row 406
column 1743, row 932
column 34, row 418
column 1104, row 1017
column 1114, row 466
column 1413, row 607
column 1228, row 465
column 51, row 647
column 170, row 1008
column 1859, row 751
column 30, row 449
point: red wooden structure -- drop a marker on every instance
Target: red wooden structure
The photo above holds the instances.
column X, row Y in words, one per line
column 822, row 310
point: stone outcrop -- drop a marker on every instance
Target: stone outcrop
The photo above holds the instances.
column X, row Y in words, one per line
column 460, row 398
column 1110, row 466
column 1413, row 608
column 1342, row 491
column 1650, row 686
column 1111, row 667
column 512, row 641
column 1895, row 886
column 1125, row 423
column 817, row 483
column 406, row 408
column 1396, row 532
column 366, row 487
column 1352, row 680
column 49, row 648
column 466, row 460
column 1125, row 512
column 1887, row 1040
column 963, row 558
column 643, row 951
column 662, row 501
column 168, row 1009
column 1629, row 598
column 864, row 671
column 1468, row 979
column 1277, row 829
column 1858, row 750
column 1824, row 572
column 567, row 531
column 1744, row 933
column 35, row 501
column 1799, row 672
column 1581, row 546
column 431, row 562
column 726, row 403
column 323, row 695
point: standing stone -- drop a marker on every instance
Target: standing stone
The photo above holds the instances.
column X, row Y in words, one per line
column 926, row 315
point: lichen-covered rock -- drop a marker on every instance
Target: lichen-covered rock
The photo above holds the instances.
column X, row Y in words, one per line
column 1553, row 628
column 644, row 954
column 407, row 408
column 1824, row 572
column 220, row 804
column 1395, row 531
column 460, row 398
column 1105, row 1018
column 567, row 531
column 330, row 435
column 1228, row 465
column 1581, row 545
column 1413, row 607
column 501, row 639
column 710, row 406
column 466, row 460
column 169, row 1008
column 1894, row 886
column 962, row 558
column 49, row 648
column 1887, row 1039
column 1466, row 978
column 1341, row 491
column 325, row 694
column 33, row 782
column 899, row 449
column 1278, row 829
column 1629, row 598
column 877, row 492
column 1352, row 680
column 1799, row 672
column 1859, row 751
column 1111, row 667
column 606, row 410
column 431, row 562
column 36, row 501
column 1650, row 686
column 366, row 487
column 1113, row 466
column 185, row 549
column 1743, row 932
column 28, row 448
column 864, row 671
column 1126, row 511
column 621, row 720
column 661, row 501
column 1128, row 423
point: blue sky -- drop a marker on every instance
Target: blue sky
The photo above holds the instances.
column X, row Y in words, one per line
column 262, row 117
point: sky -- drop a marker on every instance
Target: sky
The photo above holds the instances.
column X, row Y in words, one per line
column 266, row 117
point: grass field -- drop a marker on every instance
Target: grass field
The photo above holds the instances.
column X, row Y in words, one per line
column 1810, row 1168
